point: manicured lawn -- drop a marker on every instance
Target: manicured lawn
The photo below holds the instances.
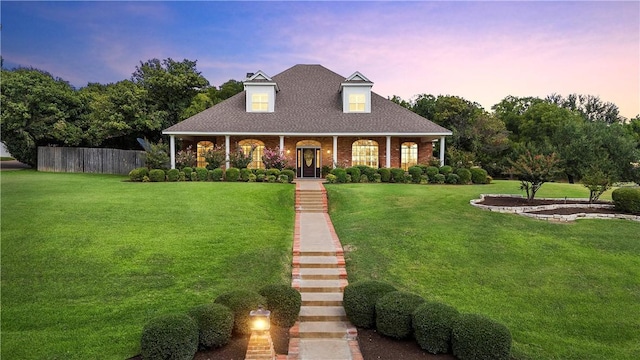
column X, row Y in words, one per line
column 566, row 291
column 87, row 260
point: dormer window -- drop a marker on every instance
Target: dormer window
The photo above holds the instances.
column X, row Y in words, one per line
column 356, row 94
column 260, row 92
column 260, row 102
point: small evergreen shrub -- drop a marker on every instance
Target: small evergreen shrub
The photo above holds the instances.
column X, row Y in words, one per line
column 445, row 170
column 439, row 179
column 194, row 176
column 394, row 312
column 340, row 174
column 182, row 176
column 259, row 172
column 173, row 175
column 424, row 179
column 187, row 172
column 232, row 174
column 284, row 302
column 377, row 178
column 325, row 170
column 479, row 338
column 349, row 178
column 283, row 179
column 416, row 173
column 241, row 302
column 203, row 174
column 431, row 172
column 244, row 174
column 157, row 175
column 367, row 170
column 397, row 175
column 260, row 177
column 145, row 179
column 271, row 178
column 385, row 174
column 452, row 179
column 432, row 323
column 273, row 171
column 359, row 301
column 465, row 175
column 252, row 178
column 355, row 174
column 138, row 174
column 331, row 179
column 364, row 179
column 424, row 168
column 478, row 175
column 627, row 199
column 215, row 324
column 169, row 337
column 290, row 174
column 217, row 174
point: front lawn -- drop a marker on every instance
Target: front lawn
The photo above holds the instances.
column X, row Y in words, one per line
column 87, row 260
column 566, row 291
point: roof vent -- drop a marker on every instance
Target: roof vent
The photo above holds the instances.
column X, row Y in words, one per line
column 250, row 75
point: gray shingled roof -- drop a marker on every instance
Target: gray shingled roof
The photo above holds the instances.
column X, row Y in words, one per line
column 308, row 103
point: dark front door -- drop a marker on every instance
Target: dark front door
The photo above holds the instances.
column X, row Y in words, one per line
column 308, row 163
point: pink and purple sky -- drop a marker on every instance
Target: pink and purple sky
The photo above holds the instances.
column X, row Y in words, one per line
column 482, row 51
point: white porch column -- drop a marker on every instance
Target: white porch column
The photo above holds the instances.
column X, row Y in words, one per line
column 281, row 144
column 335, row 151
column 172, row 148
column 442, row 151
column 226, row 151
column 388, row 154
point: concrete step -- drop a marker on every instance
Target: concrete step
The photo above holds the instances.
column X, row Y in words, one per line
column 318, row 262
column 323, row 330
column 320, row 253
column 324, row 349
column 307, row 209
column 322, row 274
column 320, row 286
column 322, row 313
column 321, row 299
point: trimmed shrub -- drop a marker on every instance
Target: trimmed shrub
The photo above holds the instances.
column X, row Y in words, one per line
column 394, row 312
column 331, row 179
column 627, row 199
column 194, row 176
column 355, row 174
column 215, row 324
column 325, row 170
column 259, row 172
column 445, row 170
column 182, row 176
column 359, row 301
column 244, row 174
column 367, row 170
column 169, row 337
column 271, row 178
column 377, row 178
column 138, row 174
column 241, row 302
column 341, row 175
column 173, row 175
column 349, row 178
column 424, row 179
column 432, row 323
column 284, row 302
column 416, row 173
column 452, row 179
column 283, row 179
column 465, row 175
column 364, row 179
column 187, row 172
column 397, row 175
column 273, row 171
column 232, row 174
column 439, row 179
column 431, row 172
column 385, row 174
column 252, row 178
column 217, row 174
column 157, row 175
column 260, row 177
column 479, row 338
column 290, row 174
column 203, row 173
column 478, row 175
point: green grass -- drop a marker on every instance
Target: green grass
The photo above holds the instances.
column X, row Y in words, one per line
column 566, row 291
column 6, row 158
column 87, row 260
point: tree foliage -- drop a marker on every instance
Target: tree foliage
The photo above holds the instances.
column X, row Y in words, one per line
column 534, row 170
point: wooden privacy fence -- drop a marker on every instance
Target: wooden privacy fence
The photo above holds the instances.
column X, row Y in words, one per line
column 89, row 160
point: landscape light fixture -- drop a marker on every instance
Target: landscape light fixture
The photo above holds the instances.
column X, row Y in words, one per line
column 260, row 319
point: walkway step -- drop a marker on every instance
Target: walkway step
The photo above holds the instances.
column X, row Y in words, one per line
column 320, row 286
column 321, row 299
column 318, row 253
column 322, row 274
column 323, row 330
column 322, row 313
column 324, row 349
column 318, row 261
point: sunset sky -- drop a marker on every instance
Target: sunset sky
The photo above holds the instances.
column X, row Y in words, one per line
column 482, row 51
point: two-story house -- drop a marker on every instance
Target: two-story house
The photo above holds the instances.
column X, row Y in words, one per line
column 316, row 117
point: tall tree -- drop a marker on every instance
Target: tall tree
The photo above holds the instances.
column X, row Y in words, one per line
column 590, row 107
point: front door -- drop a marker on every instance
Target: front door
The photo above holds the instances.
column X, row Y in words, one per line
column 308, row 162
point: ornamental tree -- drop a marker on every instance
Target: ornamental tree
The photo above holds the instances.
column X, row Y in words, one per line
column 214, row 157
column 534, row 170
column 274, row 159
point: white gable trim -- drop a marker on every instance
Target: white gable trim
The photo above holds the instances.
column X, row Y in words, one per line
column 357, row 76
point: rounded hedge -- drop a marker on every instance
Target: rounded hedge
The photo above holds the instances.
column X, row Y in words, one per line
column 341, row 175
column 465, row 175
column 479, row 176
column 439, row 179
column 432, row 324
column 157, row 175
column 217, row 174
column 173, row 175
column 232, row 174
column 215, row 324
column 445, row 170
column 241, row 302
column 627, row 199
column 290, row 174
column 284, row 302
column 331, row 179
column 385, row 174
column 432, row 171
column 244, row 174
column 187, row 171
column 355, row 174
column 359, row 301
column 479, row 338
column 169, row 337
column 203, row 174
column 138, row 174
column 273, row 171
column 416, row 173
column 364, row 179
column 397, row 175
column 367, row 170
column 452, row 179
column 394, row 312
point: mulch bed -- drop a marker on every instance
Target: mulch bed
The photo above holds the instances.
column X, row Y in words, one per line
column 374, row 345
column 516, row 201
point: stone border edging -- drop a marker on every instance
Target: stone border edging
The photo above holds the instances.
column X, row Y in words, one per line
column 527, row 210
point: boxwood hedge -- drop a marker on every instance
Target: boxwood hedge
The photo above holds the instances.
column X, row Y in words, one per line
column 215, row 324
column 477, row 337
column 241, row 302
column 284, row 302
column 432, row 324
column 359, row 301
column 169, row 337
column 394, row 312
